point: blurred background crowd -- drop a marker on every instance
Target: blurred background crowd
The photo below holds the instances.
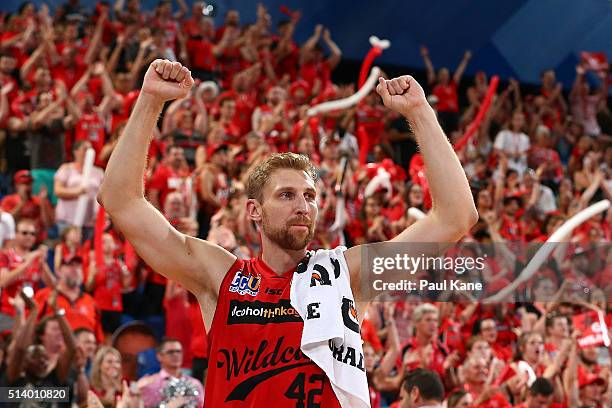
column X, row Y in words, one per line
column 78, row 308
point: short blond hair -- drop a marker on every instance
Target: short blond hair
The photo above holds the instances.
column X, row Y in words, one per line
column 261, row 173
column 422, row 310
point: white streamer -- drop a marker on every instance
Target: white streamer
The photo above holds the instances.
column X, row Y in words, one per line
column 543, row 253
column 352, row 100
column 416, row 213
column 378, row 43
column 79, row 215
column 382, row 179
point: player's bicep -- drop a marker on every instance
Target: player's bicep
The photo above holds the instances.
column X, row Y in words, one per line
column 195, row 264
column 430, row 230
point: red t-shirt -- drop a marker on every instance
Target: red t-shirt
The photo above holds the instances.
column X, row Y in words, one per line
column 201, row 55
column 91, row 127
column 82, row 313
column 255, row 356
column 166, row 180
column 230, row 63
column 178, row 325
column 498, row 400
column 69, row 75
column 551, row 405
column 199, row 338
column 245, row 105
column 31, row 209
column 371, row 118
column 310, row 71
column 107, row 286
column 10, row 260
column 81, row 251
column 374, row 397
column 512, row 228
column 437, row 359
column 289, row 63
column 447, row 97
column 368, row 334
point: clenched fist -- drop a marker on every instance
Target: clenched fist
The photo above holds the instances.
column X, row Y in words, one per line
column 167, row 80
column 402, row 95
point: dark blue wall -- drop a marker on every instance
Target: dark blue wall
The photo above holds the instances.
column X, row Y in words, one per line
column 513, row 38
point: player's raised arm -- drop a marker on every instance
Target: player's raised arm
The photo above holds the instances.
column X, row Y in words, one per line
column 453, row 210
column 196, row 264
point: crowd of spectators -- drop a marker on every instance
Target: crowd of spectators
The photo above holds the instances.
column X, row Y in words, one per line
column 68, row 80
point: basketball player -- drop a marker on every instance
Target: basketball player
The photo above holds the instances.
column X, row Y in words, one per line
column 255, row 357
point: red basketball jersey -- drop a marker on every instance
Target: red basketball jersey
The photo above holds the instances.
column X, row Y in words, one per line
column 255, row 356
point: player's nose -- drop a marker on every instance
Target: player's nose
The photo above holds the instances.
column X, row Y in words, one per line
column 301, row 205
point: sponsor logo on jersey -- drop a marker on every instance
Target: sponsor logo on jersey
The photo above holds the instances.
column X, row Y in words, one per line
column 248, row 284
column 256, row 312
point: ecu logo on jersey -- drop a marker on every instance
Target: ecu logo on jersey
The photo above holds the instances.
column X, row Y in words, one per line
column 248, row 284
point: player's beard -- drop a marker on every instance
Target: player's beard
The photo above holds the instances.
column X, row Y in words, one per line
column 283, row 237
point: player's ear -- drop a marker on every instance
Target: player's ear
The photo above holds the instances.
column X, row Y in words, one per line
column 254, row 210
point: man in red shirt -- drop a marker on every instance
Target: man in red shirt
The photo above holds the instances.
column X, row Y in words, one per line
column 169, row 176
column 106, row 283
column 256, row 360
column 557, row 331
column 213, row 186
column 23, row 204
column 81, row 309
column 425, row 350
column 488, row 331
column 485, row 395
column 228, row 120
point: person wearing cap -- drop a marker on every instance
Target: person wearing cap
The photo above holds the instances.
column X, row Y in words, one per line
column 81, row 309
column 213, row 186
column 23, row 204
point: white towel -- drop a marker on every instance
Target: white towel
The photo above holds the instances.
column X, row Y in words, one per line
column 321, row 294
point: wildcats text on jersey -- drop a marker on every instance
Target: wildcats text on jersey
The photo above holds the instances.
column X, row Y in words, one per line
column 254, row 361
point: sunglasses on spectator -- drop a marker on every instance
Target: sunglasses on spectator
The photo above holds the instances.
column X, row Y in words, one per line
column 32, row 233
column 174, row 351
